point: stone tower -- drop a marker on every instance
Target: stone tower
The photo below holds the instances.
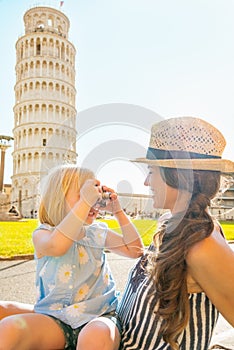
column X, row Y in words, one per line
column 44, row 112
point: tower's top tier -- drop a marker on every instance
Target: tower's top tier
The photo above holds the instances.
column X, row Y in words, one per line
column 46, row 19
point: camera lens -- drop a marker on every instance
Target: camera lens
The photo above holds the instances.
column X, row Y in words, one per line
column 101, row 203
column 106, row 195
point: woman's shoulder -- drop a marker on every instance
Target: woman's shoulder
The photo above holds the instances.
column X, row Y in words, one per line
column 208, row 248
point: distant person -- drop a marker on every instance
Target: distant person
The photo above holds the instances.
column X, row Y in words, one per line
column 76, row 294
column 177, row 289
column 13, row 210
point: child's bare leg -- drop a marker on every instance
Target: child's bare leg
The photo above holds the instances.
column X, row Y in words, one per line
column 30, row 331
column 8, row 308
column 99, row 334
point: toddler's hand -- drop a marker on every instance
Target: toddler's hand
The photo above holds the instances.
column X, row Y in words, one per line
column 113, row 206
column 90, row 192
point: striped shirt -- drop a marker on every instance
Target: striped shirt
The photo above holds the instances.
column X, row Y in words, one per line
column 139, row 322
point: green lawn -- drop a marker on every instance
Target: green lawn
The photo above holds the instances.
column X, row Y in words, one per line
column 228, row 228
column 16, row 237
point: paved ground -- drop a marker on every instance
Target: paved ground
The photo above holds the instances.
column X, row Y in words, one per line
column 17, row 283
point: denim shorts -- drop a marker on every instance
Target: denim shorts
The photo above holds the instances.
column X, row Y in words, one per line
column 71, row 335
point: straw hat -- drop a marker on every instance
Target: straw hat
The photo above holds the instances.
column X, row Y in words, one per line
column 187, row 143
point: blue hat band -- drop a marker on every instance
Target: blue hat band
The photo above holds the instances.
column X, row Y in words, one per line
column 154, row 153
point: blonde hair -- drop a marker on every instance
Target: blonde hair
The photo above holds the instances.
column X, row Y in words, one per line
column 54, row 188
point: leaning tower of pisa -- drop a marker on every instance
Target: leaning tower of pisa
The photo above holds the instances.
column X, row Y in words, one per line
column 44, row 111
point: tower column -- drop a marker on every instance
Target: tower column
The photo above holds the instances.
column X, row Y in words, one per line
column 3, row 151
column 4, row 144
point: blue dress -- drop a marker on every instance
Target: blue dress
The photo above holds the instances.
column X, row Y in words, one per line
column 78, row 286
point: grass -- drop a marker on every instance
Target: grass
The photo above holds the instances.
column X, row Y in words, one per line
column 228, row 228
column 16, row 237
column 146, row 228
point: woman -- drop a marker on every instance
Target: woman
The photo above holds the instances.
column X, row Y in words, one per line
column 176, row 290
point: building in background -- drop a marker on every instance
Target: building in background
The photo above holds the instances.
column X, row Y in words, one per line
column 223, row 207
column 45, row 99
column 45, row 116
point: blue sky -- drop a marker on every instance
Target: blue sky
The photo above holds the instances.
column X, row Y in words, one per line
column 174, row 57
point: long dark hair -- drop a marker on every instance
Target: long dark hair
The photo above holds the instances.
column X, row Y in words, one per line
column 174, row 239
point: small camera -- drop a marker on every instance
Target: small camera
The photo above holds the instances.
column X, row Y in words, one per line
column 106, row 196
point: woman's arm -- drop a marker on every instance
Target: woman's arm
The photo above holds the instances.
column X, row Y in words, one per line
column 211, row 264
